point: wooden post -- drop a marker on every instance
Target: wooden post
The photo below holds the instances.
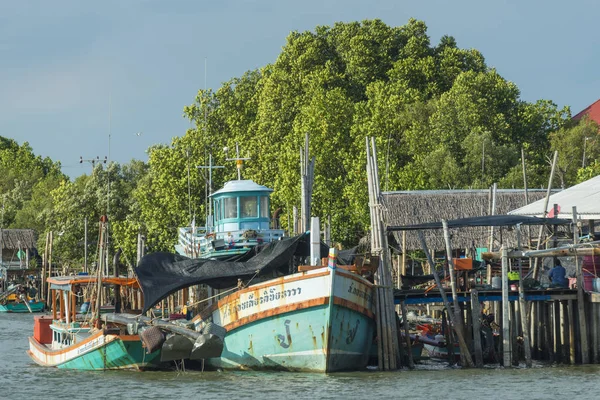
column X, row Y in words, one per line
column 541, row 331
column 49, row 261
column 539, row 241
column 513, row 333
column 493, row 213
column 465, row 356
column 564, row 331
column 595, row 308
column 457, row 328
column 556, row 334
column 467, row 323
column 61, row 299
column 44, row 268
column 523, row 305
column 571, row 332
column 476, row 315
column 548, row 331
column 583, row 336
column 448, row 335
column 533, row 325
column 54, row 310
column 411, row 363
column 506, row 351
column 403, row 269
column 73, row 307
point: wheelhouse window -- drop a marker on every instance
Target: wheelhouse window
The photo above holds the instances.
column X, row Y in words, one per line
column 216, row 210
column 230, row 207
column 264, row 206
column 248, row 206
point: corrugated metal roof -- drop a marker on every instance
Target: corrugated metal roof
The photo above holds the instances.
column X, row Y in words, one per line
column 585, row 196
column 242, row 186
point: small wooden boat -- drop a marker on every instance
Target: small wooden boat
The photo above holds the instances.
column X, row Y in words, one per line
column 18, row 300
column 23, row 307
column 74, row 340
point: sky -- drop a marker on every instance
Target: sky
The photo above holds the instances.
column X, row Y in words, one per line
column 87, row 79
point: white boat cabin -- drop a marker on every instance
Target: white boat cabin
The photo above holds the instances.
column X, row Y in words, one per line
column 241, row 220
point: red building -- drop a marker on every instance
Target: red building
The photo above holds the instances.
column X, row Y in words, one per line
column 592, row 111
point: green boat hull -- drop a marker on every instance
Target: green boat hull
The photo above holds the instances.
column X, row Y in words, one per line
column 115, row 355
column 11, row 307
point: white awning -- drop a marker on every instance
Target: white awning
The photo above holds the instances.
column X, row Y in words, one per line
column 585, row 196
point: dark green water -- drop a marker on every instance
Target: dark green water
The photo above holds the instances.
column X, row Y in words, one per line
column 20, row 378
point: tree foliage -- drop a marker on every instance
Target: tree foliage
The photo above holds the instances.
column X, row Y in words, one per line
column 440, row 117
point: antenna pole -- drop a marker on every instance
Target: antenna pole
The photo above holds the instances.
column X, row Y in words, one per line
column 210, row 167
column 239, row 161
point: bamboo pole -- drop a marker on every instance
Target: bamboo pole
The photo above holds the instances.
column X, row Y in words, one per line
column 546, row 200
column 580, row 297
column 455, row 326
column 493, row 213
column 403, row 269
column 523, row 307
column 505, row 311
column 44, row 268
column 387, row 332
column 465, row 356
column 570, row 251
column 525, row 191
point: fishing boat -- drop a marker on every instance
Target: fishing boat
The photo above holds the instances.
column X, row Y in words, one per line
column 240, row 222
column 319, row 319
column 275, row 312
column 76, row 338
column 17, row 299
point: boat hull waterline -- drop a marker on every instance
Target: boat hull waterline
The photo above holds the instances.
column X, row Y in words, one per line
column 101, row 351
column 315, row 321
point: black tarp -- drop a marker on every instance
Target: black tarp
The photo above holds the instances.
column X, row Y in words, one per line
column 161, row 274
column 490, row 220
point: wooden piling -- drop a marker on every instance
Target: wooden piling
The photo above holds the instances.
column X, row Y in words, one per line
column 539, row 329
column 556, row 335
column 506, row 351
column 513, row 334
column 564, row 330
column 411, row 363
column 571, row 328
column 548, row 347
column 468, row 317
column 523, row 306
column 465, row 355
column 475, row 316
column 594, row 316
column 583, row 336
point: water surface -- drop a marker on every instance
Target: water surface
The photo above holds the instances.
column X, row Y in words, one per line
column 20, row 378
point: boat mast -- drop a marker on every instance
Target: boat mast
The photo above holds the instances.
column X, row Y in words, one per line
column 99, row 269
column 210, row 167
column 239, row 162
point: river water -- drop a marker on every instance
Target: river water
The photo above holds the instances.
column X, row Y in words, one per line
column 20, row 378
